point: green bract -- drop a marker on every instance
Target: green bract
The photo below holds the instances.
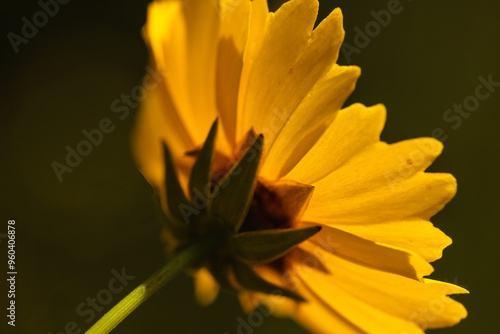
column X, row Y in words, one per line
column 223, row 213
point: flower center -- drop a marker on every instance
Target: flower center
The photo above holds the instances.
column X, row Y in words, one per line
column 275, row 204
column 267, row 211
column 256, row 219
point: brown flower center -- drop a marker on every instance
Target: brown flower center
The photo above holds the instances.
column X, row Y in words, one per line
column 276, row 205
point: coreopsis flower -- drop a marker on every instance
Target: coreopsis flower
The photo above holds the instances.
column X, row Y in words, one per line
column 246, row 138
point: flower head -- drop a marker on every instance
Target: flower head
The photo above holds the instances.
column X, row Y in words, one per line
column 320, row 220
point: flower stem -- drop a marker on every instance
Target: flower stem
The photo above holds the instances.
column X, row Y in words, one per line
column 140, row 294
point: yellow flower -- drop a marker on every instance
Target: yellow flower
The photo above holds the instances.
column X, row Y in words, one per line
column 259, row 72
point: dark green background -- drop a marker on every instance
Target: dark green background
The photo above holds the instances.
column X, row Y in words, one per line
column 101, row 217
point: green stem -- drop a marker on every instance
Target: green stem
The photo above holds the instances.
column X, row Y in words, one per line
column 139, row 295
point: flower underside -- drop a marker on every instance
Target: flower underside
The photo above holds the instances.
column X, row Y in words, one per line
column 323, row 164
column 255, row 219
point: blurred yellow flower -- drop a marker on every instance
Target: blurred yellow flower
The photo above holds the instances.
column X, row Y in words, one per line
column 259, row 72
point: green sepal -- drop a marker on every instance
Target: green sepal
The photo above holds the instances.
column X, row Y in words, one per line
column 261, row 247
column 176, row 199
column 250, row 280
column 200, row 174
column 233, row 196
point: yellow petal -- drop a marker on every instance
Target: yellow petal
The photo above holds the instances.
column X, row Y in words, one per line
column 291, row 60
column 415, row 234
column 257, row 26
column 317, row 318
column 437, row 306
column 382, row 302
column 313, row 315
column 158, row 28
column 354, row 130
column 385, row 183
column 183, row 36
column 422, row 196
column 371, row 254
column 173, row 58
column 384, row 165
column 368, row 318
column 310, row 120
column 318, row 57
column 202, row 32
column 206, row 288
column 234, row 22
column 247, row 301
column 157, row 121
column 235, row 15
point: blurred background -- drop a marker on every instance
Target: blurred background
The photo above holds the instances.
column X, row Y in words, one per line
column 74, row 236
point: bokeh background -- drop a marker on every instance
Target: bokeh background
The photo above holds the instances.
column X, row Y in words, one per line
column 71, row 235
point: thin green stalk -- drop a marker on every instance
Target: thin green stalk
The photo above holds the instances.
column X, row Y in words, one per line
column 139, row 295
